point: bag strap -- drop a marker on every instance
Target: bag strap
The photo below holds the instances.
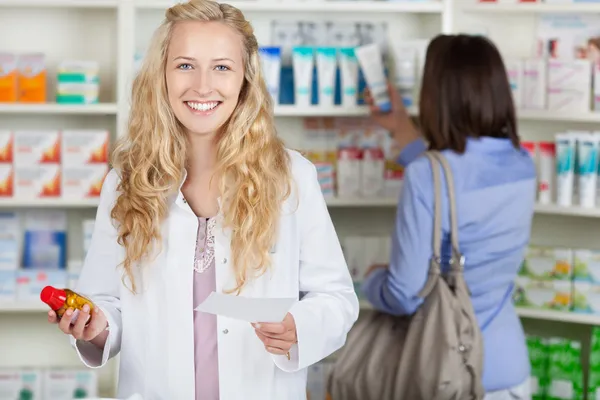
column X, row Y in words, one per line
column 457, row 260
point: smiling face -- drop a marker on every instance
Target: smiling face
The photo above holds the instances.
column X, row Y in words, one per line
column 204, row 73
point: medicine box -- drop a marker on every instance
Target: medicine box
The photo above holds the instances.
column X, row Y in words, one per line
column 534, row 84
column 30, row 282
column 32, row 78
column 37, row 147
column 547, row 263
column 10, row 235
column 45, row 240
column 84, row 147
column 37, row 181
column 586, row 266
column 542, row 294
column 8, row 288
column 6, row 147
column 514, row 70
column 7, row 180
column 83, row 181
column 21, row 384
column 586, row 298
column 67, row 384
column 8, row 78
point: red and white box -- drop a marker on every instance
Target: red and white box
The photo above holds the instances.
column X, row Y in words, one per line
column 36, row 147
column 37, row 181
column 6, row 147
column 7, row 180
column 80, row 147
column 83, row 181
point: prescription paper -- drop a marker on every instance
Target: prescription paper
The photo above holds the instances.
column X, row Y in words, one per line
column 248, row 309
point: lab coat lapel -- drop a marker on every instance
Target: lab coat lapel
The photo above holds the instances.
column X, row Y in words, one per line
column 178, row 322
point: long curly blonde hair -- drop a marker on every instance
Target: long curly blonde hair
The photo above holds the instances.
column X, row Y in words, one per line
column 252, row 162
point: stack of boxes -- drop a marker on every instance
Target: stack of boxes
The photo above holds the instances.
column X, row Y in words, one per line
column 555, row 85
column 78, row 82
column 49, row 384
column 23, row 79
column 33, row 254
column 560, row 279
column 545, row 279
column 71, row 164
column 354, row 158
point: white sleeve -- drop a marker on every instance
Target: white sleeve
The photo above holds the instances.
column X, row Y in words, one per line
column 330, row 306
column 100, row 278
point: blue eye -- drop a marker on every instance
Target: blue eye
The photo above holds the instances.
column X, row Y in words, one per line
column 222, row 68
column 184, row 66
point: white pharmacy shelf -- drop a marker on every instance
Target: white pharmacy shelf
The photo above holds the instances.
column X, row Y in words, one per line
column 359, row 6
column 537, row 8
column 319, row 111
column 48, row 203
column 60, row 3
column 545, row 315
column 23, row 307
column 54, row 108
column 575, row 211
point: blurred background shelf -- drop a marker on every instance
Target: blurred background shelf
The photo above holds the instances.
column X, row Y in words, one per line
column 59, row 109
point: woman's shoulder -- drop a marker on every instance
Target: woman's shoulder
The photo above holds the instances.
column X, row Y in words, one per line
column 301, row 167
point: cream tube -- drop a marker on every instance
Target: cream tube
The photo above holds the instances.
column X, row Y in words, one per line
column 270, row 58
column 349, row 76
column 303, row 61
column 326, row 67
column 587, row 167
column 565, row 166
column 370, row 60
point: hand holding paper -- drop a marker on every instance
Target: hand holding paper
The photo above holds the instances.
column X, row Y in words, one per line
column 272, row 322
column 248, row 309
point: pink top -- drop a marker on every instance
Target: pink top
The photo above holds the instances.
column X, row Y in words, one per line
column 205, row 325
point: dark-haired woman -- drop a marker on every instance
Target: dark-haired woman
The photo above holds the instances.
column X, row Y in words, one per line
column 467, row 113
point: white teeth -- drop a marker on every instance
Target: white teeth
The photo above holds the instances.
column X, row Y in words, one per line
column 203, row 106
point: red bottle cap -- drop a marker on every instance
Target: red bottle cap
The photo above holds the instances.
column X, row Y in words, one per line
column 55, row 298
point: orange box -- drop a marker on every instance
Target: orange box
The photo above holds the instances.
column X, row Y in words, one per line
column 7, row 180
column 83, row 181
column 38, row 181
column 36, row 147
column 8, row 78
column 80, row 147
column 6, row 147
column 32, row 78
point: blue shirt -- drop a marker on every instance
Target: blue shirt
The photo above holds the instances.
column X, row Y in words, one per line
column 495, row 195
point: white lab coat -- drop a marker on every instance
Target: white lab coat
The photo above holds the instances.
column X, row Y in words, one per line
column 153, row 331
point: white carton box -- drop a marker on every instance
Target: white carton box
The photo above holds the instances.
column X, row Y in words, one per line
column 84, row 147
column 70, row 384
column 37, row 181
column 6, row 147
column 20, row 384
column 7, row 180
column 569, row 100
column 534, row 84
column 570, row 74
column 36, row 147
column 83, row 181
column 8, row 288
column 10, row 235
column 31, row 282
column 514, row 70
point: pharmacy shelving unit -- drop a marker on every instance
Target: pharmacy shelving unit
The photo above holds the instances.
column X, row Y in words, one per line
column 89, row 29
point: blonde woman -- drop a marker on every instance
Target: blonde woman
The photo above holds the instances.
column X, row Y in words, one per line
column 204, row 197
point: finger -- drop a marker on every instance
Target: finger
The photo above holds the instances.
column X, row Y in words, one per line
column 65, row 321
column 79, row 326
column 52, row 317
column 281, row 344
column 277, row 329
column 96, row 325
column 274, row 350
